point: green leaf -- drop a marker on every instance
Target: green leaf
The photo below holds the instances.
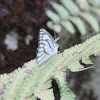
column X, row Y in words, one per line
column 53, row 16
column 60, row 10
column 8, row 92
column 86, row 60
column 83, row 4
column 97, row 11
column 68, row 9
column 91, row 20
column 71, row 6
column 52, row 67
column 31, row 79
column 95, row 2
column 4, row 79
column 68, row 26
column 79, row 24
column 65, row 92
column 44, row 93
column 56, row 27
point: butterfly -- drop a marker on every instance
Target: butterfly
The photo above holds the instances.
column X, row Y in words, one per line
column 47, row 47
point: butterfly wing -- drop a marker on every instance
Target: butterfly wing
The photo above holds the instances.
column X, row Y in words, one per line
column 47, row 47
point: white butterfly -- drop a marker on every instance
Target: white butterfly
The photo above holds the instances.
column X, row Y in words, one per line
column 47, row 47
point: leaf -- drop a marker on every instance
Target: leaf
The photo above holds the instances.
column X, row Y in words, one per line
column 68, row 26
column 91, row 20
column 83, row 4
column 60, row 10
column 86, row 60
column 66, row 59
column 44, row 92
column 79, row 24
column 53, row 16
column 8, row 92
column 95, row 2
column 68, row 10
column 3, row 79
column 71, row 6
column 30, row 79
column 56, row 27
column 65, row 92
column 97, row 11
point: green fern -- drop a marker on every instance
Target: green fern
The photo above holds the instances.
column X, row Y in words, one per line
column 70, row 12
column 31, row 81
column 65, row 92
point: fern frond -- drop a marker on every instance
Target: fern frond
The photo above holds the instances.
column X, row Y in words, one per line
column 79, row 24
column 97, row 11
column 31, row 79
column 71, row 6
column 8, row 92
column 60, row 10
column 69, row 13
column 66, row 60
column 95, row 2
column 84, row 5
column 53, row 16
column 68, row 26
column 4, row 79
column 15, row 83
column 44, row 92
column 65, row 92
column 91, row 20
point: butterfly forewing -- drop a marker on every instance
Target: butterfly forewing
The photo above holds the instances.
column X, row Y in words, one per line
column 47, row 47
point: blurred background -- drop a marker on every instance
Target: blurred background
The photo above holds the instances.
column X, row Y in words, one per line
column 72, row 20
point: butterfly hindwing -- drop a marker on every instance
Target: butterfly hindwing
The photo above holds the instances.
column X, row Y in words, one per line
column 47, row 47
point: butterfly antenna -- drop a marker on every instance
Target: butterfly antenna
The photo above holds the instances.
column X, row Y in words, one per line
column 54, row 35
column 56, row 39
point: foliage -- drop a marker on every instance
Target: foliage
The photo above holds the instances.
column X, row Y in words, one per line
column 31, row 79
column 70, row 13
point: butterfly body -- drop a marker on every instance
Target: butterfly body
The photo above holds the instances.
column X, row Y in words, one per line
column 47, row 47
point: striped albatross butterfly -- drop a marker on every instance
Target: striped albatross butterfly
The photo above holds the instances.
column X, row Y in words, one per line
column 47, row 47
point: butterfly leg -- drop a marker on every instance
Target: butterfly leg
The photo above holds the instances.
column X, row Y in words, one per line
column 31, row 95
column 58, row 52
